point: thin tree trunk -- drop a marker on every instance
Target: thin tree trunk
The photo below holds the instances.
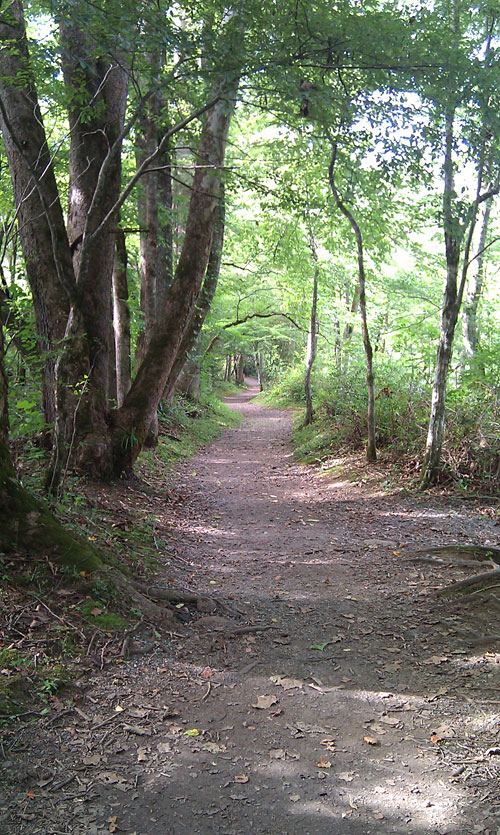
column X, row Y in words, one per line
column 238, row 369
column 455, row 229
column 312, row 339
column 353, row 309
column 371, row 449
column 475, row 288
column 121, row 320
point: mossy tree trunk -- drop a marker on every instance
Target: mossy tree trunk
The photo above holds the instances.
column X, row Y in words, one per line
column 26, row 524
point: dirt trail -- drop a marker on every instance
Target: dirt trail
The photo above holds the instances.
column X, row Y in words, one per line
column 363, row 709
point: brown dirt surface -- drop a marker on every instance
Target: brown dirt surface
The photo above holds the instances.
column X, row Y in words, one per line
column 364, row 704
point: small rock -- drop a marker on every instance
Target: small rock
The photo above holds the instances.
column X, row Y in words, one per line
column 213, row 623
column 206, row 605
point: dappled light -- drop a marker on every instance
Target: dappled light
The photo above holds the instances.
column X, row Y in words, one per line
column 249, row 418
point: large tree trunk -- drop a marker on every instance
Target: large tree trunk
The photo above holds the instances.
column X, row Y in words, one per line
column 238, row 369
column 26, row 524
column 155, row 218
column 131, row 421
column 449, row 315
column 99, row 86
column 205, row 299
column 457, row 228
column 82, row 369
column 40, row 219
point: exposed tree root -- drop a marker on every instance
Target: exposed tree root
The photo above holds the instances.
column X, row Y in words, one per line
column 150, row 610
column 482, row 581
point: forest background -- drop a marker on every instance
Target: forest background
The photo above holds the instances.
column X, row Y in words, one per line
column 303, row 191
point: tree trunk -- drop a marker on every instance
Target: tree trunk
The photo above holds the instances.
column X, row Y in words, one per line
column 371, row 448
column 99, row 86
column 205, row 299
column 312, row 340
column 26, row 524
column 121, row 320
column 259, row 365
column 238, row 369
column 455, row 227
column 39, row 214
column 131, row 421
column 449, row 315
column 470, row 326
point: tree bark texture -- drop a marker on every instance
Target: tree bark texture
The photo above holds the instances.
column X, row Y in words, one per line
column 96, row 122
column 454, row 231
column 204, row 301
column 131, row 421
column 121, row 320
column 41, row 225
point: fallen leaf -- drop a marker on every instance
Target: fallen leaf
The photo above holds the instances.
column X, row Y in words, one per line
column 265, row 702
column 96, row 611
column 444, row 731
column 295, row 798
column 437, row 659
column 322, row 763
column 112, row 823
column 352, row 803
column 164, row 748
column 277, row 754
column 142, row 755
column 206, row 673
column 192, row 732
column 329, row 743
column 92, row 759
column 320, row 647
column 241, row 778
column 110, row 777
column 31, row 794
column 286, row 683
column 370, row 740
column 347, row 776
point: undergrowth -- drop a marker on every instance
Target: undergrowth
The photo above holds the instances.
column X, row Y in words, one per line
column 471, row 450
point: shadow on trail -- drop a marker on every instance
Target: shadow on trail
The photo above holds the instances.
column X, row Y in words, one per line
column 365, row 686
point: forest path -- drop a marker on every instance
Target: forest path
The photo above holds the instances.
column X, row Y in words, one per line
column 362, row 710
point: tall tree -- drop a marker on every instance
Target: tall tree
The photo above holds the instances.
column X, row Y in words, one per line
column 458, row 217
